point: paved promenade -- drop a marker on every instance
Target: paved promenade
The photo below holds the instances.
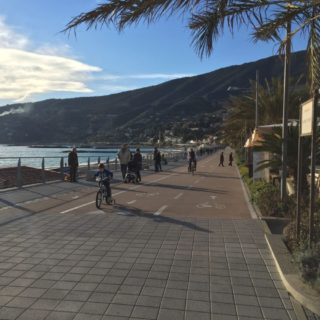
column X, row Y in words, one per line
column 175, row 247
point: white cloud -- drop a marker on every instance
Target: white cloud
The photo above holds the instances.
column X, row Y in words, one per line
column 117, row 88
column 26, row 71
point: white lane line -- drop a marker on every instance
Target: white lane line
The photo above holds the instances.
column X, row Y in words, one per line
column 178, row 196
column 197, row 181
column 158, row 212
column 131, row 202
column 213, row 197
column 78, row 207
column 115, row 194
column 190, row 186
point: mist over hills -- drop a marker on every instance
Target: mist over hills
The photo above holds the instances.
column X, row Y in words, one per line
column 191, row 106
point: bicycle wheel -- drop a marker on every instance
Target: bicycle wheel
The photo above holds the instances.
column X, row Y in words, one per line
column 98, row 199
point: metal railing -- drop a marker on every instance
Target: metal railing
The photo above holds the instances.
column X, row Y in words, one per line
column 87, row 165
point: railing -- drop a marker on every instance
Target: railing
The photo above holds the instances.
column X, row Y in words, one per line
column 87, row 165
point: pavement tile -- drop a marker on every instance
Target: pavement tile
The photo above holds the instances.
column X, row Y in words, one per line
column 249, row 311
column 246, row 300
column 223, row 308
column 144, row 312
column 201, row 306
column 31, row 314
column 57, row 315
column 10, row 313
column 191, row 315
column 149, row 301
column 32, row 292
column 171, row 303
column 175, row 293
column 275, row 313
column 5, row 299
column 86, row 316
column 69, row 306
column 119, row 310
column 166, row 314
column 55, row 294
column 21, row 302
column 45, row 304
column 94, row 308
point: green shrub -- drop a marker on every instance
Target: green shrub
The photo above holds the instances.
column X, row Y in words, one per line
column 267, row 197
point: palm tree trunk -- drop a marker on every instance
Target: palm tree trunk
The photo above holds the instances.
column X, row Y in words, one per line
column 285, row 115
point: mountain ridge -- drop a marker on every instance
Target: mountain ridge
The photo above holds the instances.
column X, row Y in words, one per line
column 140, row 114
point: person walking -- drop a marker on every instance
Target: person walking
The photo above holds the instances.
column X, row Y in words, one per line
column 221, row 163
column 137, row 158
column 230, row 159
column 73, row 164
column 124, row 156
column 157, row 160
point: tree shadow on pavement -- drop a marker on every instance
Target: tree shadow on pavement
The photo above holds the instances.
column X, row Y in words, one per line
column 131, row 211
column 177, row 187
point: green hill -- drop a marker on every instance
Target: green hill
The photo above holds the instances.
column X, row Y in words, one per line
column 137, row 115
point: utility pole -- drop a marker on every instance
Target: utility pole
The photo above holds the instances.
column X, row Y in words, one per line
column 257, row 93
column 285, row 114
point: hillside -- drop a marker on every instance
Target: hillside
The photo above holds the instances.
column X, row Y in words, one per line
column 140, row 114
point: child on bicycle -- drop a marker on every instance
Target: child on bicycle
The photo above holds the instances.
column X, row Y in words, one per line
column 105, row 176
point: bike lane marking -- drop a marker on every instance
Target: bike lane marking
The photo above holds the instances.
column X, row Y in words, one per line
column 120, row 192
column 159, row 211
column 178, row 196
column 131, row 202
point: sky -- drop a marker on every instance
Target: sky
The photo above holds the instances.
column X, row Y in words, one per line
column 38, row 61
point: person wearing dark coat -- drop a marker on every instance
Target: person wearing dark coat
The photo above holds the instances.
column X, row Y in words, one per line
column 230, row 159
column 73, row 164
column 221, row 163
column 137, row 158
column 157, row 160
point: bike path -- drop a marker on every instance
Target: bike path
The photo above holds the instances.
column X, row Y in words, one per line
column 160, row 257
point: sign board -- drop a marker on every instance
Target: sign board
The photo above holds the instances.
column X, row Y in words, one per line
column 306, row 118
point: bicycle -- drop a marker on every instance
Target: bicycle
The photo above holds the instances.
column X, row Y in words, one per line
column 102, row 193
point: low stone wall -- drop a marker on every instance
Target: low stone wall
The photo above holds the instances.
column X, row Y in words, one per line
column 8, row 176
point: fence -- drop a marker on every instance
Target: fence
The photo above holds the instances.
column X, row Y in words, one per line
column 20, row 175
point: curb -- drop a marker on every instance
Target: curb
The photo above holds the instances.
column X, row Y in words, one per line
column 289, row 274
column 253, row 212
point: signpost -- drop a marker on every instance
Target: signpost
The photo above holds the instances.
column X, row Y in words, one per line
column 308, row 127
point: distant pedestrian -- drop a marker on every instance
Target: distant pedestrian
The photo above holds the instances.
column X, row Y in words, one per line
column 137, row 158
column 73, row 164
column 157, row 160
column 124, row 156
column 221, row 163
column 230, row 159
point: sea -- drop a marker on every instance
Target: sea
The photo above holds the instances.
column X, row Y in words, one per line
column 32, row 156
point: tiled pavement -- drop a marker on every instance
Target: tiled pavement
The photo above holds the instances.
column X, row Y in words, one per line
column 107, row 266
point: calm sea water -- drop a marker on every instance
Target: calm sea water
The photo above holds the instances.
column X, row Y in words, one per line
column 11, row 152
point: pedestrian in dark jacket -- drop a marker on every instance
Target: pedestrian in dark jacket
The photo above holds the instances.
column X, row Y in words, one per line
column 157, row 160
column 221, row 163
column 73, row 164
column 137, row 158
column 230, row 159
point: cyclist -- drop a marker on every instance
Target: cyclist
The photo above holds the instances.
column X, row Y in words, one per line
column 105, row 176
column 192, row 158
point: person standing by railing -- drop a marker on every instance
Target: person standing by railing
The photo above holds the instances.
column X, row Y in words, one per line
column 124, row 156
column 73, row 164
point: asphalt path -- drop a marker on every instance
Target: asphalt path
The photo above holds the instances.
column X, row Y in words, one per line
column 212, row 192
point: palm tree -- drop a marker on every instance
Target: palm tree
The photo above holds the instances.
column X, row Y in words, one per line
column 240, row 120
column 273, row 145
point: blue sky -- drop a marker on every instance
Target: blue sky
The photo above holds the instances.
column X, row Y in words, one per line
column 37, row 61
